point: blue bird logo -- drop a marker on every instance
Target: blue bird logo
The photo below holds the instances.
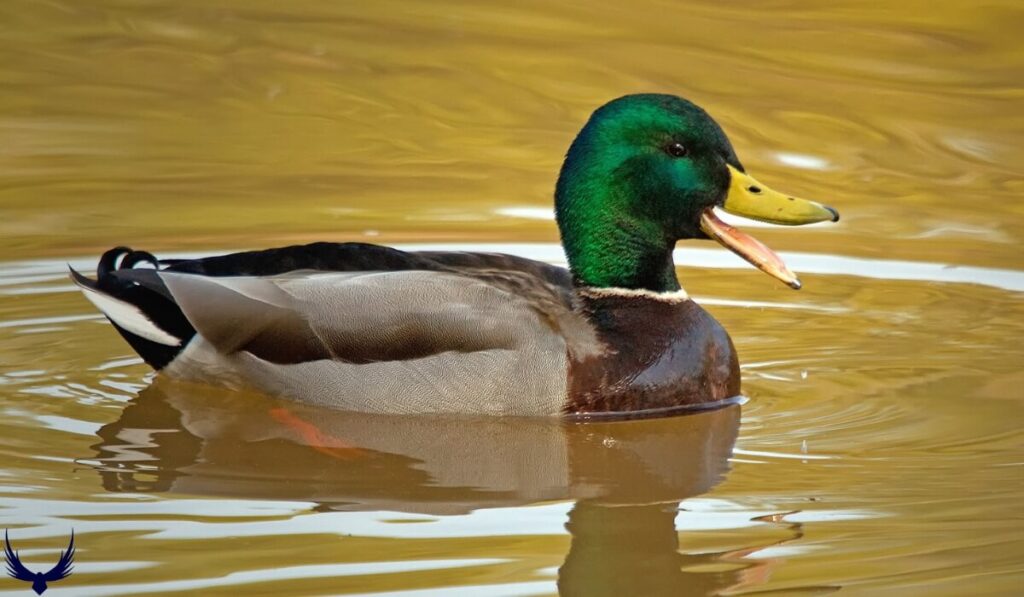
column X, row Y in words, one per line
column 39, row 579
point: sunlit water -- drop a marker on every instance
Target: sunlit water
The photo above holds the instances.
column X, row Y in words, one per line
column 880, row 452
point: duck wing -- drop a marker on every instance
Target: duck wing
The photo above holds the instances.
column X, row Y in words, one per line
column 354, row 317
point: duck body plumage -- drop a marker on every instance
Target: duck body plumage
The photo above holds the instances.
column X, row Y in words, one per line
column 373, row 329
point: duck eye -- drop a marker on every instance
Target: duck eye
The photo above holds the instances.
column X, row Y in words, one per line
column 677, row 150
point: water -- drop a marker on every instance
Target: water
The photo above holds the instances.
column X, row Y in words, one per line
column 880, row 452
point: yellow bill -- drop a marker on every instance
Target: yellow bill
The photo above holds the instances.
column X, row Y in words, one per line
column 751, row 199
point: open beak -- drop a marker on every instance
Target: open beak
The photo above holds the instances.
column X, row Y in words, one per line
column 751, row 199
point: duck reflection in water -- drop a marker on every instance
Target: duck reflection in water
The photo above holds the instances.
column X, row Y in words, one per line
column 626, row 477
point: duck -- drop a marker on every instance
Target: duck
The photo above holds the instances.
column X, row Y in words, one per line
column 374, row 329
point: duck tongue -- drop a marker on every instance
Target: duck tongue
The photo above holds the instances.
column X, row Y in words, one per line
column 747, row 247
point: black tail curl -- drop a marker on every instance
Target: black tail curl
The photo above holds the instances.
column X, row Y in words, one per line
column 121, row 258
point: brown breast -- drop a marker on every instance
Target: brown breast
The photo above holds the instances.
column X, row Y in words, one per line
column 658, row 353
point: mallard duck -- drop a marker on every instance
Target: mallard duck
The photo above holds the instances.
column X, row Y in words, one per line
column 370, row 328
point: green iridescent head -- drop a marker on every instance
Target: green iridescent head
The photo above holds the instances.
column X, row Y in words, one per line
column 645, row 172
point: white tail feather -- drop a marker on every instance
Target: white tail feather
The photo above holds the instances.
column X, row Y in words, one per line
column 129, row 317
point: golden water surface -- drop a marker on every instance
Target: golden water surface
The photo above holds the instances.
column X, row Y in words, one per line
column 881, row 450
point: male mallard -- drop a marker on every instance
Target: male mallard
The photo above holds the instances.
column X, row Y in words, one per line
column 370, row 328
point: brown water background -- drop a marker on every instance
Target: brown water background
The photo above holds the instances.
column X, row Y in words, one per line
column 881, row 452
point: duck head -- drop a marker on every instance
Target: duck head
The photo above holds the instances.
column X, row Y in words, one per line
column 649, row 170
